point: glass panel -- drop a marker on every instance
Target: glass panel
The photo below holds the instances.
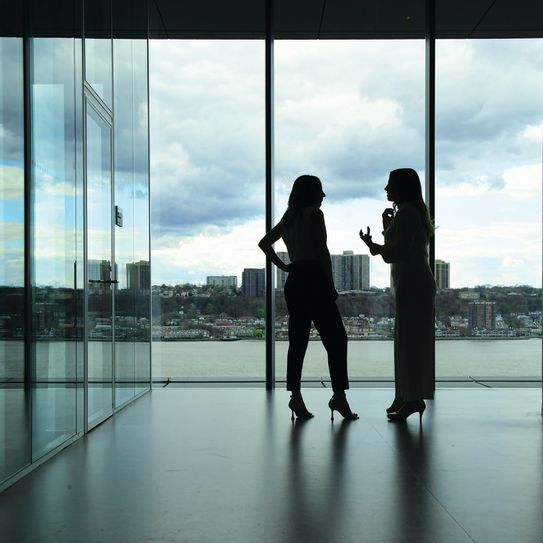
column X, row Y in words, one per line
column 207, row 133
column 489, row 131
column 132, row 304
column 99, row 268
column 98, row 49
column 55, row 196
column 125, row 324
column 142, row 281
column 14, row 429
column 348, row 112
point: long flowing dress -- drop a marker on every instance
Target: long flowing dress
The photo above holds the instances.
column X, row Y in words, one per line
column 406, row 242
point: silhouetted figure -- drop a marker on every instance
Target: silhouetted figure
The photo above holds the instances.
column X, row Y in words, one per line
column 310, row 293
column 406, row 233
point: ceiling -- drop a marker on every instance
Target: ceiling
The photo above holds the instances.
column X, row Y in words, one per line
column 292, row 19
column 345, row 19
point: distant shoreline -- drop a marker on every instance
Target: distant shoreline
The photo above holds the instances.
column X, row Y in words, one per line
column 475, row 338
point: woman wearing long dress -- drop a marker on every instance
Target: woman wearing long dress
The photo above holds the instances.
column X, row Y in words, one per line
column 310, row 293
column 406, row 235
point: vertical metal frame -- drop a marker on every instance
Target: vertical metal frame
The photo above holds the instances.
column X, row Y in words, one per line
column 91, row 100
column 149, row 210
column 430, row 132
column 270, row 283
column 28, row 222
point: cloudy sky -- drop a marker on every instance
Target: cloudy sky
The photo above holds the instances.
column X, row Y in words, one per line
column 348, row 112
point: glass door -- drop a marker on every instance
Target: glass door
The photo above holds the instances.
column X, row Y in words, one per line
column 101, row 272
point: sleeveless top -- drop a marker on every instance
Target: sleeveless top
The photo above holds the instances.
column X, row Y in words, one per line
column 304, row 233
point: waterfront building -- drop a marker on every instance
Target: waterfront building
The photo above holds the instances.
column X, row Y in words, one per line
column 350, row 271
column 253, row 282
column 227, row 281
column 442, row 274
column 481, row 316
column 138, row 275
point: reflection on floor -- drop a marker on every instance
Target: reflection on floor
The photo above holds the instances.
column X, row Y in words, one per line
column 226, row 464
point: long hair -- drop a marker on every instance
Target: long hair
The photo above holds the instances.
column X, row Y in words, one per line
column 409, row 190
column 306, row 191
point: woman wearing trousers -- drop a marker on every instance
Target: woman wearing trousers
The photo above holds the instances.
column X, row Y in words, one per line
column 310, row 293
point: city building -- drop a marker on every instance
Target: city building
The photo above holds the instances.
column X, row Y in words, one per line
column 281, row 276
column 253, row 282
column 481, row 316
column 350, row 271
column 138, row 275
column 226, row 281
column 99, row 270
column 442, row 274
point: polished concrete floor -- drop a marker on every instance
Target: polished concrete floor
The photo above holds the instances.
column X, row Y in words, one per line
column 227, row 465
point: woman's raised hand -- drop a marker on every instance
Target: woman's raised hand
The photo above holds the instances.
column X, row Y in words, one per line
column 366, row 238
column 387, row 215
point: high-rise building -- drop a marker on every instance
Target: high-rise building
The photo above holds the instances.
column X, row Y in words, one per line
column 442, row 274
column 350, row 271
column 138, row 275
column 481, row 316
column 227, row 281
column 99, row 270
column 253, row 282
column 281, row 276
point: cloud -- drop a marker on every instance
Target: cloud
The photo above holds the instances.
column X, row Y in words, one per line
column 348, row 112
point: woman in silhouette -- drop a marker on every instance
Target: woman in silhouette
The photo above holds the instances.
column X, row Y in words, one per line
column 407, row 229
column 310, row 293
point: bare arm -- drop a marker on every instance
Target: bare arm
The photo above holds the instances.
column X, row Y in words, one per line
column 266, row 244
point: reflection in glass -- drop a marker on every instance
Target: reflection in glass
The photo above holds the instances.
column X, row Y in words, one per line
column 98, row 67
column 55, row 120
column 98, row 49
column 142, row 280
column 132, row 306
column 489, row 141
column 348, row 112
column 100, row 272
column 14, row 431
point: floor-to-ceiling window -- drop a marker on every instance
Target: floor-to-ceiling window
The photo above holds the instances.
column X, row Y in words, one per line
column 14, row 423
column 207, row 171
column 348, row 112
column 489, row 145
column 56, row 124
column 132, row 297
column 59, row 210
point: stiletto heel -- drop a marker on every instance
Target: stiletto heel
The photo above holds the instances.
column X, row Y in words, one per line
column 408, row 409
column 341, row 405
column 296, row 405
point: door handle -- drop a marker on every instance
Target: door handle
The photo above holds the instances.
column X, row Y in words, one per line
column 108, row 282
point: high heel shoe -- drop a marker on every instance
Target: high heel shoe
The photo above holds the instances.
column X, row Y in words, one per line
column 297, row 405
column 408, row 409
column 395, row 405
column 340, row 404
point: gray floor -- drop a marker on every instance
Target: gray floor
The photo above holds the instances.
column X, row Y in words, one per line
column 227, row 465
